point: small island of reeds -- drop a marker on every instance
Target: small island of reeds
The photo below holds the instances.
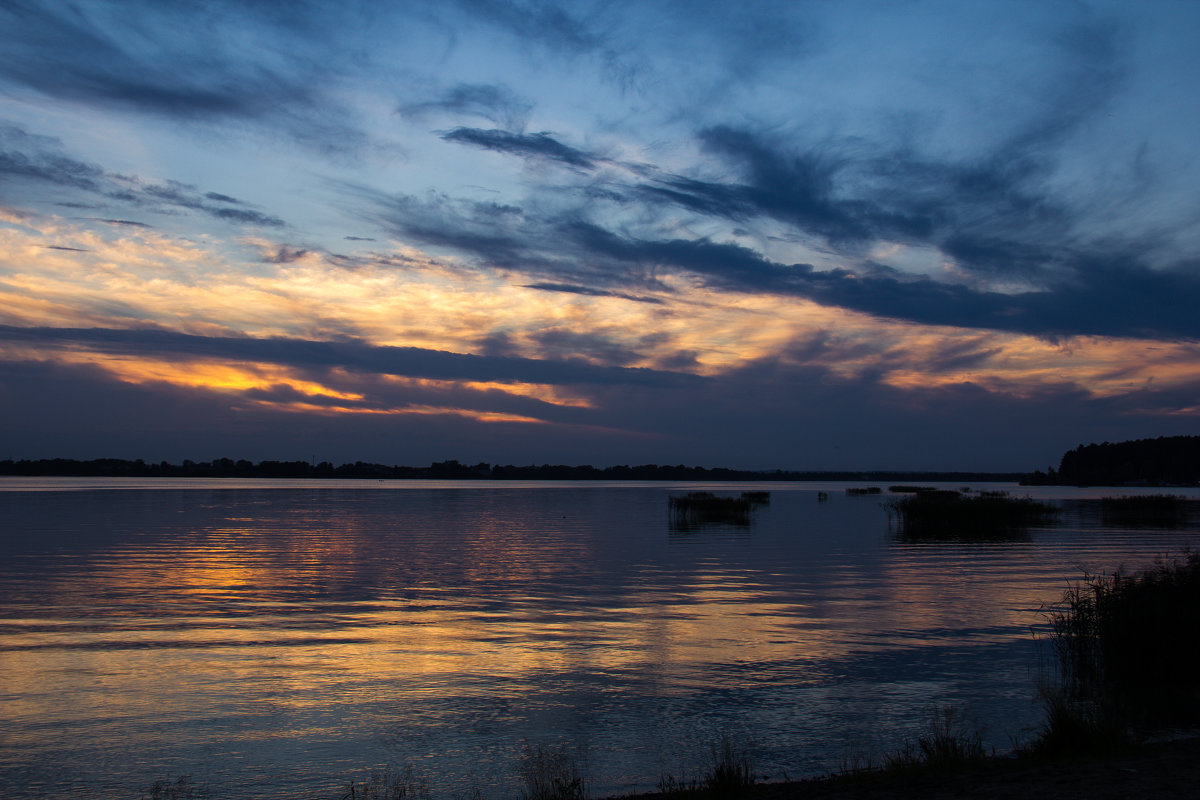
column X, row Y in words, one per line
column 1157, row 510
column 697, row 509
column 951, row 515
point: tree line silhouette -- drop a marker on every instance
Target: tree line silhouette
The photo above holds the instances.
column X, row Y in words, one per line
column 450, row 470
column 1165, row 461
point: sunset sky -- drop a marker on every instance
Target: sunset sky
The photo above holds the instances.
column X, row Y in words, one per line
column 800, row 235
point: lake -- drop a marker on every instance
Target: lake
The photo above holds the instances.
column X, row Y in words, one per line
column 277, row 639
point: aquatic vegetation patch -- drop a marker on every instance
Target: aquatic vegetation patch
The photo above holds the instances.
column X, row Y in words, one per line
column 861, row 490
column 1150, row 510
column 1128, row 646
column 947, row 514
column 182, row 788
column 697, row 509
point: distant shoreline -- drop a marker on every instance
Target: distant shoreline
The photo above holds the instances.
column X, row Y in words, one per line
column 453, row 470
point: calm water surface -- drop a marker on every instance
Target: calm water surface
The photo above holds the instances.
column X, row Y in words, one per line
column 275, row 639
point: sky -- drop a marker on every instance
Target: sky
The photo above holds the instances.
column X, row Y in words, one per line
column 801, row 235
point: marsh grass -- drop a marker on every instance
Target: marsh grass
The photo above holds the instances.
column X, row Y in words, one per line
column 950, row 741
column 182, row 788
column 551, row 773
column 1128, row 646
column 388, row 784
column 727, row 773
column 730, row 770
column 949, row 515
column 1074, row 725
column 697, row 509
column 1149, row 510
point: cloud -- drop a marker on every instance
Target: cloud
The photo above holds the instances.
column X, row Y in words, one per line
column 40, row 159
column 32, row 157
column 284, row 254
column 129, row 223
column 589, row 292
column 490, row 101
column 223, row 198
column 525, row 145
column 186, row 62
column 550, row 24
column 351, row 355
column 1079, row 290
column 1109, row 294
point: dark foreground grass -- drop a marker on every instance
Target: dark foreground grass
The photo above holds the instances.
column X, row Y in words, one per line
column 552, row 773
column 949, row 742
column 1128, row 654
column 388, row 784
column 953, row 516
column 728, row 774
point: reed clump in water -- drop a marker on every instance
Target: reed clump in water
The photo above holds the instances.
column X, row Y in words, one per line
column 1158, row 510
column 947, row 514
column 696, row 509
column 1128, row 650
column 182, row 788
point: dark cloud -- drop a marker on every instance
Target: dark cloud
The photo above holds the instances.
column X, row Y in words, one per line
column 186, row 196
column 550, row 24
column 1104, row 293
column 496, row 103
column 175, row 60
column 72, row 249
column 223, row 198
column 352, row 355
column 40, row 159
column 245, row 216
column 285, row 255
column 1109, row 292
column 124, row 222
column 559, row 343
column 439, row 221
column 29, row 156
column 358, row 239
column 526, row 145
column 590, row 292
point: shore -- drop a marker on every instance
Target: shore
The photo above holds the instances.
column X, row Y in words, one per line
column 1163, row 770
